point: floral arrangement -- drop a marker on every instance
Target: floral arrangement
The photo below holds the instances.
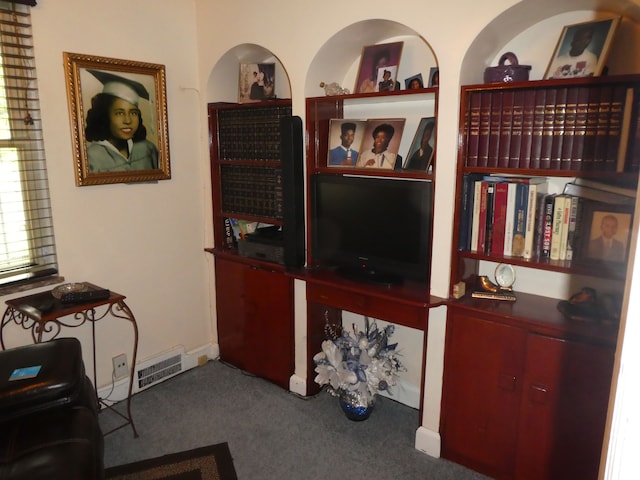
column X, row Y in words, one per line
column 355, row 366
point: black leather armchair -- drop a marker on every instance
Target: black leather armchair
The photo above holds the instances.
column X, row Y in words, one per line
column 49, row 427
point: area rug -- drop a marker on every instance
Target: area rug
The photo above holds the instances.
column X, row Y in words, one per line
column 206, row 463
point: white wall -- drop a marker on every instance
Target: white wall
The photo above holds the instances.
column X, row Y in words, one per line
column 145, row 241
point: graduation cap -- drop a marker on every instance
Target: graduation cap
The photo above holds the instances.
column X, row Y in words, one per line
column 120, row 87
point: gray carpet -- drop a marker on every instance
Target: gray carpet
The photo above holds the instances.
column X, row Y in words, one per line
column 273, row 434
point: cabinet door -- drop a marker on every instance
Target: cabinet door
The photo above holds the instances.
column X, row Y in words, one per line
column 564, row 409
column 481, row 393
column 230, row 308
column 269, row 342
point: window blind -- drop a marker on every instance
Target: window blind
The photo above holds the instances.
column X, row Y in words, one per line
column 27, row 246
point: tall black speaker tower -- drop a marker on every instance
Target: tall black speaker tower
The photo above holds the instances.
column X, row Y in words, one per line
column 291, row 158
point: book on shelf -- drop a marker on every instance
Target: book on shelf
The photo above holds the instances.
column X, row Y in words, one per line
column 468, row 187
column 537, row 190
column 482, row 217
column 529, row 101
column 475, row 102
column 539, row 223
column 489, row 217
column 495, row 128
column 591, row 126
column 580, row 128
column 548, row 126
column 621, row 163
column 230, row 240
column 520, row 219
column 559, row 227
column 506, row 128
column 515, row 139
column 547, row 226
column 559, row 121
column 569, row 128
column 509, row 217
column 485, row 127
column 500, row 200
column 537, row 129
column 600, row 156
column 502, row 296
column 574, row 230
column 475, row 219
column 564, row 230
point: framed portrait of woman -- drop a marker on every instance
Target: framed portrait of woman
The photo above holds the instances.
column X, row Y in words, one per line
column 118, row 112
column 378, row 67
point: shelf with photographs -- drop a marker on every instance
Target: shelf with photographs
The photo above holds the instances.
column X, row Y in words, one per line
column 409, row 113
column 545, row 168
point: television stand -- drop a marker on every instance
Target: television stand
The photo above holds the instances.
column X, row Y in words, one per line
column 369, row 276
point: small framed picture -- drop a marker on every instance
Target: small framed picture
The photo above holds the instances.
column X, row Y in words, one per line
column 414, row 82
column 582, row 49
column 422, row 151
column 380, row 144
column 257, row 82
column 345, row 138
column 606, row 232
column 434, row 77
column 376, row 59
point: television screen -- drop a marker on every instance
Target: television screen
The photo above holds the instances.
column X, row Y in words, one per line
column 376, row 229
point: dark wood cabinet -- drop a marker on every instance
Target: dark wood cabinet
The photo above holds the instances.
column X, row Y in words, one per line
column 521, row 404
column 255, row 319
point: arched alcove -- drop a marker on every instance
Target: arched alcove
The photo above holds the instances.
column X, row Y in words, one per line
column 531, row 30
column 222, row 85
column 339, row 58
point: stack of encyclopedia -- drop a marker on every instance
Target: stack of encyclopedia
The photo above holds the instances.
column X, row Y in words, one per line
column 514, row 216
column 556, row 127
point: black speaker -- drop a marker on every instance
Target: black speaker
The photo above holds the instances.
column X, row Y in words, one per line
column 291, row 158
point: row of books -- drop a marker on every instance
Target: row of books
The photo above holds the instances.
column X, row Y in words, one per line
column 252, row 190
column 570, row 127
column 518, row 217
column 251, row 133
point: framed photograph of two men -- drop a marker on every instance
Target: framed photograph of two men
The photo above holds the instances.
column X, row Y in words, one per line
column 118, row 111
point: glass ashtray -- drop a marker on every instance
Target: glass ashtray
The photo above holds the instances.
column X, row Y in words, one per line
column 60, row 290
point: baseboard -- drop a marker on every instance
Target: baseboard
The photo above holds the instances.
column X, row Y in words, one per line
column 298, row 385
column 428, row 441
column 118, row 391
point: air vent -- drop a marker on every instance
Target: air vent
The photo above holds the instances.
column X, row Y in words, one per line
column 159, row 369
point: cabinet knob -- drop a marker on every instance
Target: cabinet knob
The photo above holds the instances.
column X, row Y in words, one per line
column 538, row 394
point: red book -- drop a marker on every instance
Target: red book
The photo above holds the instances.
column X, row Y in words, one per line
column 589, row 143
column 485, row 123
column 558, row 128
column 548, row 125
column 506, row 126
column 569, row 128
column 474, row 129
column 616, row 122
column 602, row 129
column 527, row 128
column 537, row 129
column 580, row 128
column 515, row 139
column 495, row 129
column 499, row 217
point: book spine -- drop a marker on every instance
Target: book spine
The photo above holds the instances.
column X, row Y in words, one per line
column 482, row 221
column 538, row 128
column 547, row 231
column 539, row 225
column 530, row 229
column 588, row 149
column 516, row 129
column 499, row 217
column 600, row 160
column 625, row 131
column 229, row 237
column 556, row 232
column 527, row 129
column 466, row 217
column 580, row 128
column 474, row 129
column 485, row 128
column 509, row 217
column 495, row 129
column 569, row 128
column 548, row 125
column 506, row 129
column 475, row 223
column 564, row 232
column 558, row 128
column 520, row 219
column 488, row 233
column 572, row 235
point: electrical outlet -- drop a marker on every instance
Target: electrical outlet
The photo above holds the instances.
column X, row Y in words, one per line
column 120, row 366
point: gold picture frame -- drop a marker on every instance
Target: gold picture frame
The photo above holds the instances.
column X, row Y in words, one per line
column 118, row 112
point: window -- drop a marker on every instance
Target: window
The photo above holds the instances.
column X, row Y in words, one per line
column 27, row 247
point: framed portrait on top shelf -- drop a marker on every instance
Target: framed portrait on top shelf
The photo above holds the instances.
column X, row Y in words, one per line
column 582, row 49
column 380, row 144
column 118, row 111
column 414, row 82
column 606, row 232
column 257, row 82
column 375, row 59
column 421, row 153
column 345, row 138
column 434, row 77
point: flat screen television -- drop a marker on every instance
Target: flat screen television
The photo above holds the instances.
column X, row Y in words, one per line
column 372, row 229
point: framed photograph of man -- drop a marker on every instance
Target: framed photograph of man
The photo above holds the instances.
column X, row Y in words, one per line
column 257, row 82
column 118, row 111
column 345, row 138
column 606, row 232
column 376, row 59
column 380, row 144
column 582, row 49
column 422, row 150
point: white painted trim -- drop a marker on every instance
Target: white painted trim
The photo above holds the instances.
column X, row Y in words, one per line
column 428, row 441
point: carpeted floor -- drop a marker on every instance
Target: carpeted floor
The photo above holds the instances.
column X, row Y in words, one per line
column 206, row 463
column 273, row 434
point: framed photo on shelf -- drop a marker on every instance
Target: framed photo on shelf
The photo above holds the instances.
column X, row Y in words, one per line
column 380, row 144
column 414, row 82
column 582, row 49
column 434, row 77
column 345, row 138
column 606, row 232
column 422, row 150
column 136, row 91
column 257, row 82
column 376, row 59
